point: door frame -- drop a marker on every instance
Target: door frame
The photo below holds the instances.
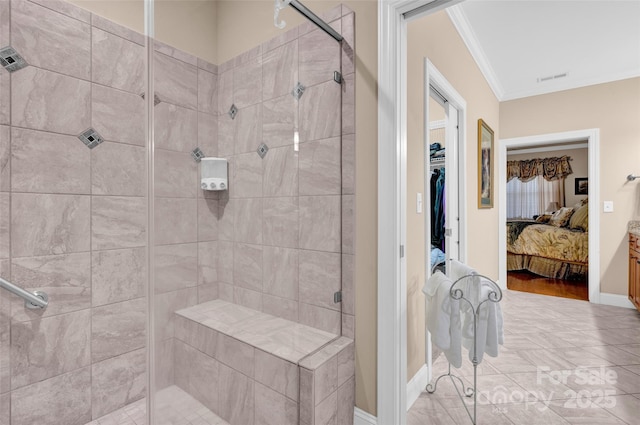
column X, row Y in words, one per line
column 593, row 140
column 391, row 388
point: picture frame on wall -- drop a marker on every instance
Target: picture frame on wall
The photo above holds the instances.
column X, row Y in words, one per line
column 582, row 186
column 485, row 165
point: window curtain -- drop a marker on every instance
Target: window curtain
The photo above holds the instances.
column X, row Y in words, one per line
column 530, row 198
column 549, row 168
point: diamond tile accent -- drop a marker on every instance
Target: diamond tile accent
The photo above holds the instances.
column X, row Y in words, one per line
column 11, row 60
column 156, row 98
column 298, row 91
column 197, row 154
column 262, row 150
column 91, row 138
column 233, row 111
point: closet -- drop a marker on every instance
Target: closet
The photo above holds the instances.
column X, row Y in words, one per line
column 437, row 182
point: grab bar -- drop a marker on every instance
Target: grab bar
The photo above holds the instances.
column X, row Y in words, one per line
column 32, row 300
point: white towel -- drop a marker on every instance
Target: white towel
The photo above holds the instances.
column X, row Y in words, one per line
column 443, row 318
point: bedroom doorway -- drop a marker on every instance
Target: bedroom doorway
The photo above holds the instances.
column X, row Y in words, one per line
column 549, row 236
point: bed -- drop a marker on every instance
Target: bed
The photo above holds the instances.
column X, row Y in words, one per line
column 548, row 249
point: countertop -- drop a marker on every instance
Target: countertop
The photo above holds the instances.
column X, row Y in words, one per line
column 634, row 227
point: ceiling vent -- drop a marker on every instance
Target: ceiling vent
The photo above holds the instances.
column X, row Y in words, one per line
column 551, row 77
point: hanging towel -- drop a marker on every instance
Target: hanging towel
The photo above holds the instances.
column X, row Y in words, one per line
column 443, row 317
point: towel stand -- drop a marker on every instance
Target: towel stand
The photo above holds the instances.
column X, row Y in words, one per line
column 494, row 296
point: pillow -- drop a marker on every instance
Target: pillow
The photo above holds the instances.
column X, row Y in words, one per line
column 544, row 218
column 580, row 219
column 561, row 217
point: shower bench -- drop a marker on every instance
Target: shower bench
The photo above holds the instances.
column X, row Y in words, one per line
column 250, row 367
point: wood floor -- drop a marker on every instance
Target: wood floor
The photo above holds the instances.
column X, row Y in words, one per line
column 529, row 282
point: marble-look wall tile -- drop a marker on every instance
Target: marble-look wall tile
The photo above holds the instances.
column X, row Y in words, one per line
column 176, row 220
column 279, row 121
column 5, row 362
column 247, row 83
column 176, row 128
column 348, row 105
column 208, row 264
column 326, row 412
column 197, row 335
column 207, row 66
column 176, row 174
column 165, row 364
column 235, row 354
column 117, row 115
column 118, row 382
column 5, row 297
column 279, row 40
column 65, row 399
column 61, row 165
column 176, row 267
column 225, row 91
column 320, row 112
column 280, row 272
column 280, row 222
column 49, row 224
column 320, row 318
column 66, row 8
column 280, row 70
column 320, row 221
column 346, row 364
column 165, row 307
column 247, row 266
column 226, row 136
column 5, row 225
column 320, row 167
column 349, row 164
column 44, row 348
column 276, row 373
column 248, row 220
column 225, row 261
column 272, row 408
column 176, row 82
column 280, row 307
column 45, row 100
column 348, row 224
column 116, row 29
column 281, row 172
column 5, row 156
column 51, row 40
column 320, row 277
column 208, row 219
column 118, row 222
column 236, row 397
column 307, row 397
column 348, row 325
column 207, row 92
column 65, row 278
column 117, row 275
column 124, row 71
column 319, row 57
column 208, row 133
column 346, row 402
column 348, row 53
column 5, row 83
column 117, row 169
column 348, row 284
column 248, row 127
column 246, row 179
column 175, row 53
column 5, row 407
column 247, row 298
column 118, row 328
column 226, row 211
column 199, row 375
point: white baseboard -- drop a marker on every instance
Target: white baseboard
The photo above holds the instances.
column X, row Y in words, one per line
column 416, row 385
column 360, row 417
column 615, row 300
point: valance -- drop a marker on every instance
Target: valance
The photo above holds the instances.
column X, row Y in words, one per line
column 549, row 168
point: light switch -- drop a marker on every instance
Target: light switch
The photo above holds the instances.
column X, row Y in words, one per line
column 608, row 206
column 419, row 203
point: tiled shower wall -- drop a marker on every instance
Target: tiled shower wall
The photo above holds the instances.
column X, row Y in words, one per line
column 73, row 221
column 286, row 224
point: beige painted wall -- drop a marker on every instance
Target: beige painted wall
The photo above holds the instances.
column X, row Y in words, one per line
column 614, row 108
column 239, row 25
column 579, row 165
column 435, row 37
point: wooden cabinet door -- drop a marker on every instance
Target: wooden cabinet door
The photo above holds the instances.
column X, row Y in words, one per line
column 634, row 277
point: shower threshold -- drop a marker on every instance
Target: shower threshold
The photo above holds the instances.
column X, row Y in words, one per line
column 173, row 407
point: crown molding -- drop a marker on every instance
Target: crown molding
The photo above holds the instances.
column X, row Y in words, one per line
column 462, row 25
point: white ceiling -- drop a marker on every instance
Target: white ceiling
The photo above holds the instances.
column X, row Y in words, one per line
column 518, row 42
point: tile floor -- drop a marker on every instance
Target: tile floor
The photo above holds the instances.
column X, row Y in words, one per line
column 564, row 362
column 174, row 407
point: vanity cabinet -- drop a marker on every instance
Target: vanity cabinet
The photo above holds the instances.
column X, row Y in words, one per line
column 634, row 270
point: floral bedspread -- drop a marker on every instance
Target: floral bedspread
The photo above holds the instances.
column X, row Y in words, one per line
column 557, row 243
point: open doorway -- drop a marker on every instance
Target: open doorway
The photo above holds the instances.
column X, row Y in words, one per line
column 548, row 220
